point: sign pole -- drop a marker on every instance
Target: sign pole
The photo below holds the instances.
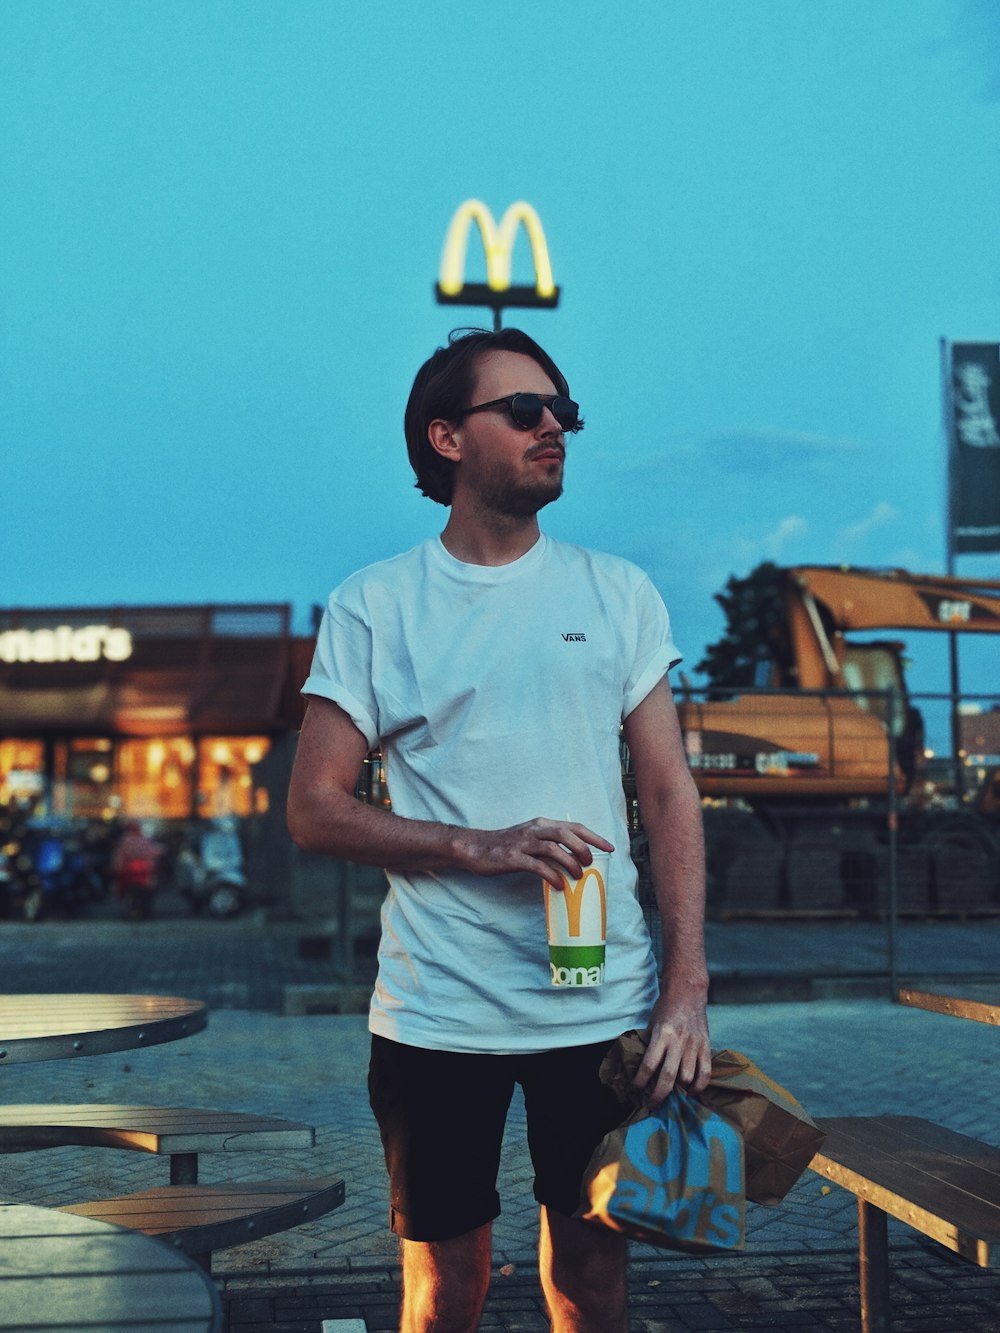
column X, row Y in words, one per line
column 948, row 421
column 891, row 705
column 948, row 400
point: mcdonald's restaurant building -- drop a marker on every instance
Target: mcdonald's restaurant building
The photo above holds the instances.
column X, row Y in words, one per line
column 160, row 713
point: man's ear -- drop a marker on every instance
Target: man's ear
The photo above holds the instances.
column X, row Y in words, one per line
column 443, row 438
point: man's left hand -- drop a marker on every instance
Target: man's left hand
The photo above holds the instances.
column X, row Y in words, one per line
column 678, row 1050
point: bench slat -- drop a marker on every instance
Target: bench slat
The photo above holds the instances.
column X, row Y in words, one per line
column 202, row 1218
column 156, row 1129
column 957, row 1006
column 945, row 1184
column 939, row 1153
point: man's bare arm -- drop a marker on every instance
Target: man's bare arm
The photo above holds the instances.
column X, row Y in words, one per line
column 671, row 813
column 325, row 816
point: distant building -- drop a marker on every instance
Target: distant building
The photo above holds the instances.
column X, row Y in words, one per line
column 980, row 737
column 172, row 714
column 159, row 712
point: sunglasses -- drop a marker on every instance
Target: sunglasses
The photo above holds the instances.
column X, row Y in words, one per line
column 526, row 409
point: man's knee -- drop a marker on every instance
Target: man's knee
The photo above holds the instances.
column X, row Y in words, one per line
column 445, row 1283
column 583, row 1270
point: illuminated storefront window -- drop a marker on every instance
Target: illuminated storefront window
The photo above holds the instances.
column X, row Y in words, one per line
column 83, row 777
column 155, row 778
column 172, row 777
column 22, row 769
column 225, row 777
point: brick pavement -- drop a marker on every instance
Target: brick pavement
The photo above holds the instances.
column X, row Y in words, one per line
column 246, row 963
column 842, row 1056
column 839, row 1057
column 930, row 1294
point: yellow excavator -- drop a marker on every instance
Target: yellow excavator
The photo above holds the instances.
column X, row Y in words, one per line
column 794, row 773
column 803, row 742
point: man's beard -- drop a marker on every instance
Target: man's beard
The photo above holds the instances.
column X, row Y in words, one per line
column 499, row 492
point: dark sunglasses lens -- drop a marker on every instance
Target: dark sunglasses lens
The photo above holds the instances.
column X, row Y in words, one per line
column 526, row 410
column 566, row 412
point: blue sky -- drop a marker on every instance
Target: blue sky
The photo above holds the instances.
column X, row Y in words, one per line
column 220, row 224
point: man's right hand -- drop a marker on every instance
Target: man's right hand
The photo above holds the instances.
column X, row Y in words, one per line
column 538, row 847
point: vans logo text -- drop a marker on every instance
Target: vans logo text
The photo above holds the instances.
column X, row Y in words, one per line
column 574, row 638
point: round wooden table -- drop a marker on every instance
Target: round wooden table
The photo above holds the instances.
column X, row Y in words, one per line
column 65, row 1271
column 61, row 1027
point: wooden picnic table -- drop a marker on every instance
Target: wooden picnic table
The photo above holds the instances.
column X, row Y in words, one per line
column 196, row 1218
column 61, row 1027
column 65, row 1271
column 957, row 1006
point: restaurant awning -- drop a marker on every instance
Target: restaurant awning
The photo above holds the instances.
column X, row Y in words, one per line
column 143, row 671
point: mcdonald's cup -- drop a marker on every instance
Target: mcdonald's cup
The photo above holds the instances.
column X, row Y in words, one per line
column 576, row 919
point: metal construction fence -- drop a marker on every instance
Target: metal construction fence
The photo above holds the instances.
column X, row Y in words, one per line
column 851, row 838
column 831, row 802
column 874, row 814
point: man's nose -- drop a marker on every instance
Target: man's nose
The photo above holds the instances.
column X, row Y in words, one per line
column 548, row 424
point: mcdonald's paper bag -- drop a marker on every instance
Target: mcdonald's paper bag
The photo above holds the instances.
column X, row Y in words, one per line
column 780, row 1137
column 671, row 1177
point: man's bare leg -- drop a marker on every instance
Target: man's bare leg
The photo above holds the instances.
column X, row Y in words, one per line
column 445, row 1283
column 582, row 1268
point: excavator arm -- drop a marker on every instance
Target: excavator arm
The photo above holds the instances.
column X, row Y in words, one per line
column 896, row 599
column 805, row 740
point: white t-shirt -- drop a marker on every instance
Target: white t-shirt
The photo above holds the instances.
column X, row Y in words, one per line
column 496, row 694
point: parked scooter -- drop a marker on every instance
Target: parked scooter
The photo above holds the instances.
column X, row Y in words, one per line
column 46, row 880
column 8, row 881
column 58, row 870
column 16, row 863
column 209, row 871
column 135, row 865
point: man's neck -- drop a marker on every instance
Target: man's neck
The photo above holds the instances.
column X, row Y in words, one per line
column 499, row 541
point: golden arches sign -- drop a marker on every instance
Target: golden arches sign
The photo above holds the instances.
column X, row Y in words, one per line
column 498, row 244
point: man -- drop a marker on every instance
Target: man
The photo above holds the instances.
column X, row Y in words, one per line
column 495, row 667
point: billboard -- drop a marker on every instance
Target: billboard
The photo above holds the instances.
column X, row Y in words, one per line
column 975, row 433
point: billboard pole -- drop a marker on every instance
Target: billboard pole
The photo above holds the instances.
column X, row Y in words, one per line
column 948, row 408
column 948, row 421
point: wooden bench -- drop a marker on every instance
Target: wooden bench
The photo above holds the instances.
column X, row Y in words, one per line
column 178, row 1132
column 196, row 1218
column 201, row 1218
column 944, row 1184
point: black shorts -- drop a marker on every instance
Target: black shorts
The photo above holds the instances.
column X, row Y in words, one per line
column 441, row 1115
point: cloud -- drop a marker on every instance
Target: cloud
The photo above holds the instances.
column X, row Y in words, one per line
column 772, row 545
column 977, row 29
column 767, row 451
column 760, row 449
column 910, row 557
column 787, row 531
column 856, row 533
column 739, row 452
